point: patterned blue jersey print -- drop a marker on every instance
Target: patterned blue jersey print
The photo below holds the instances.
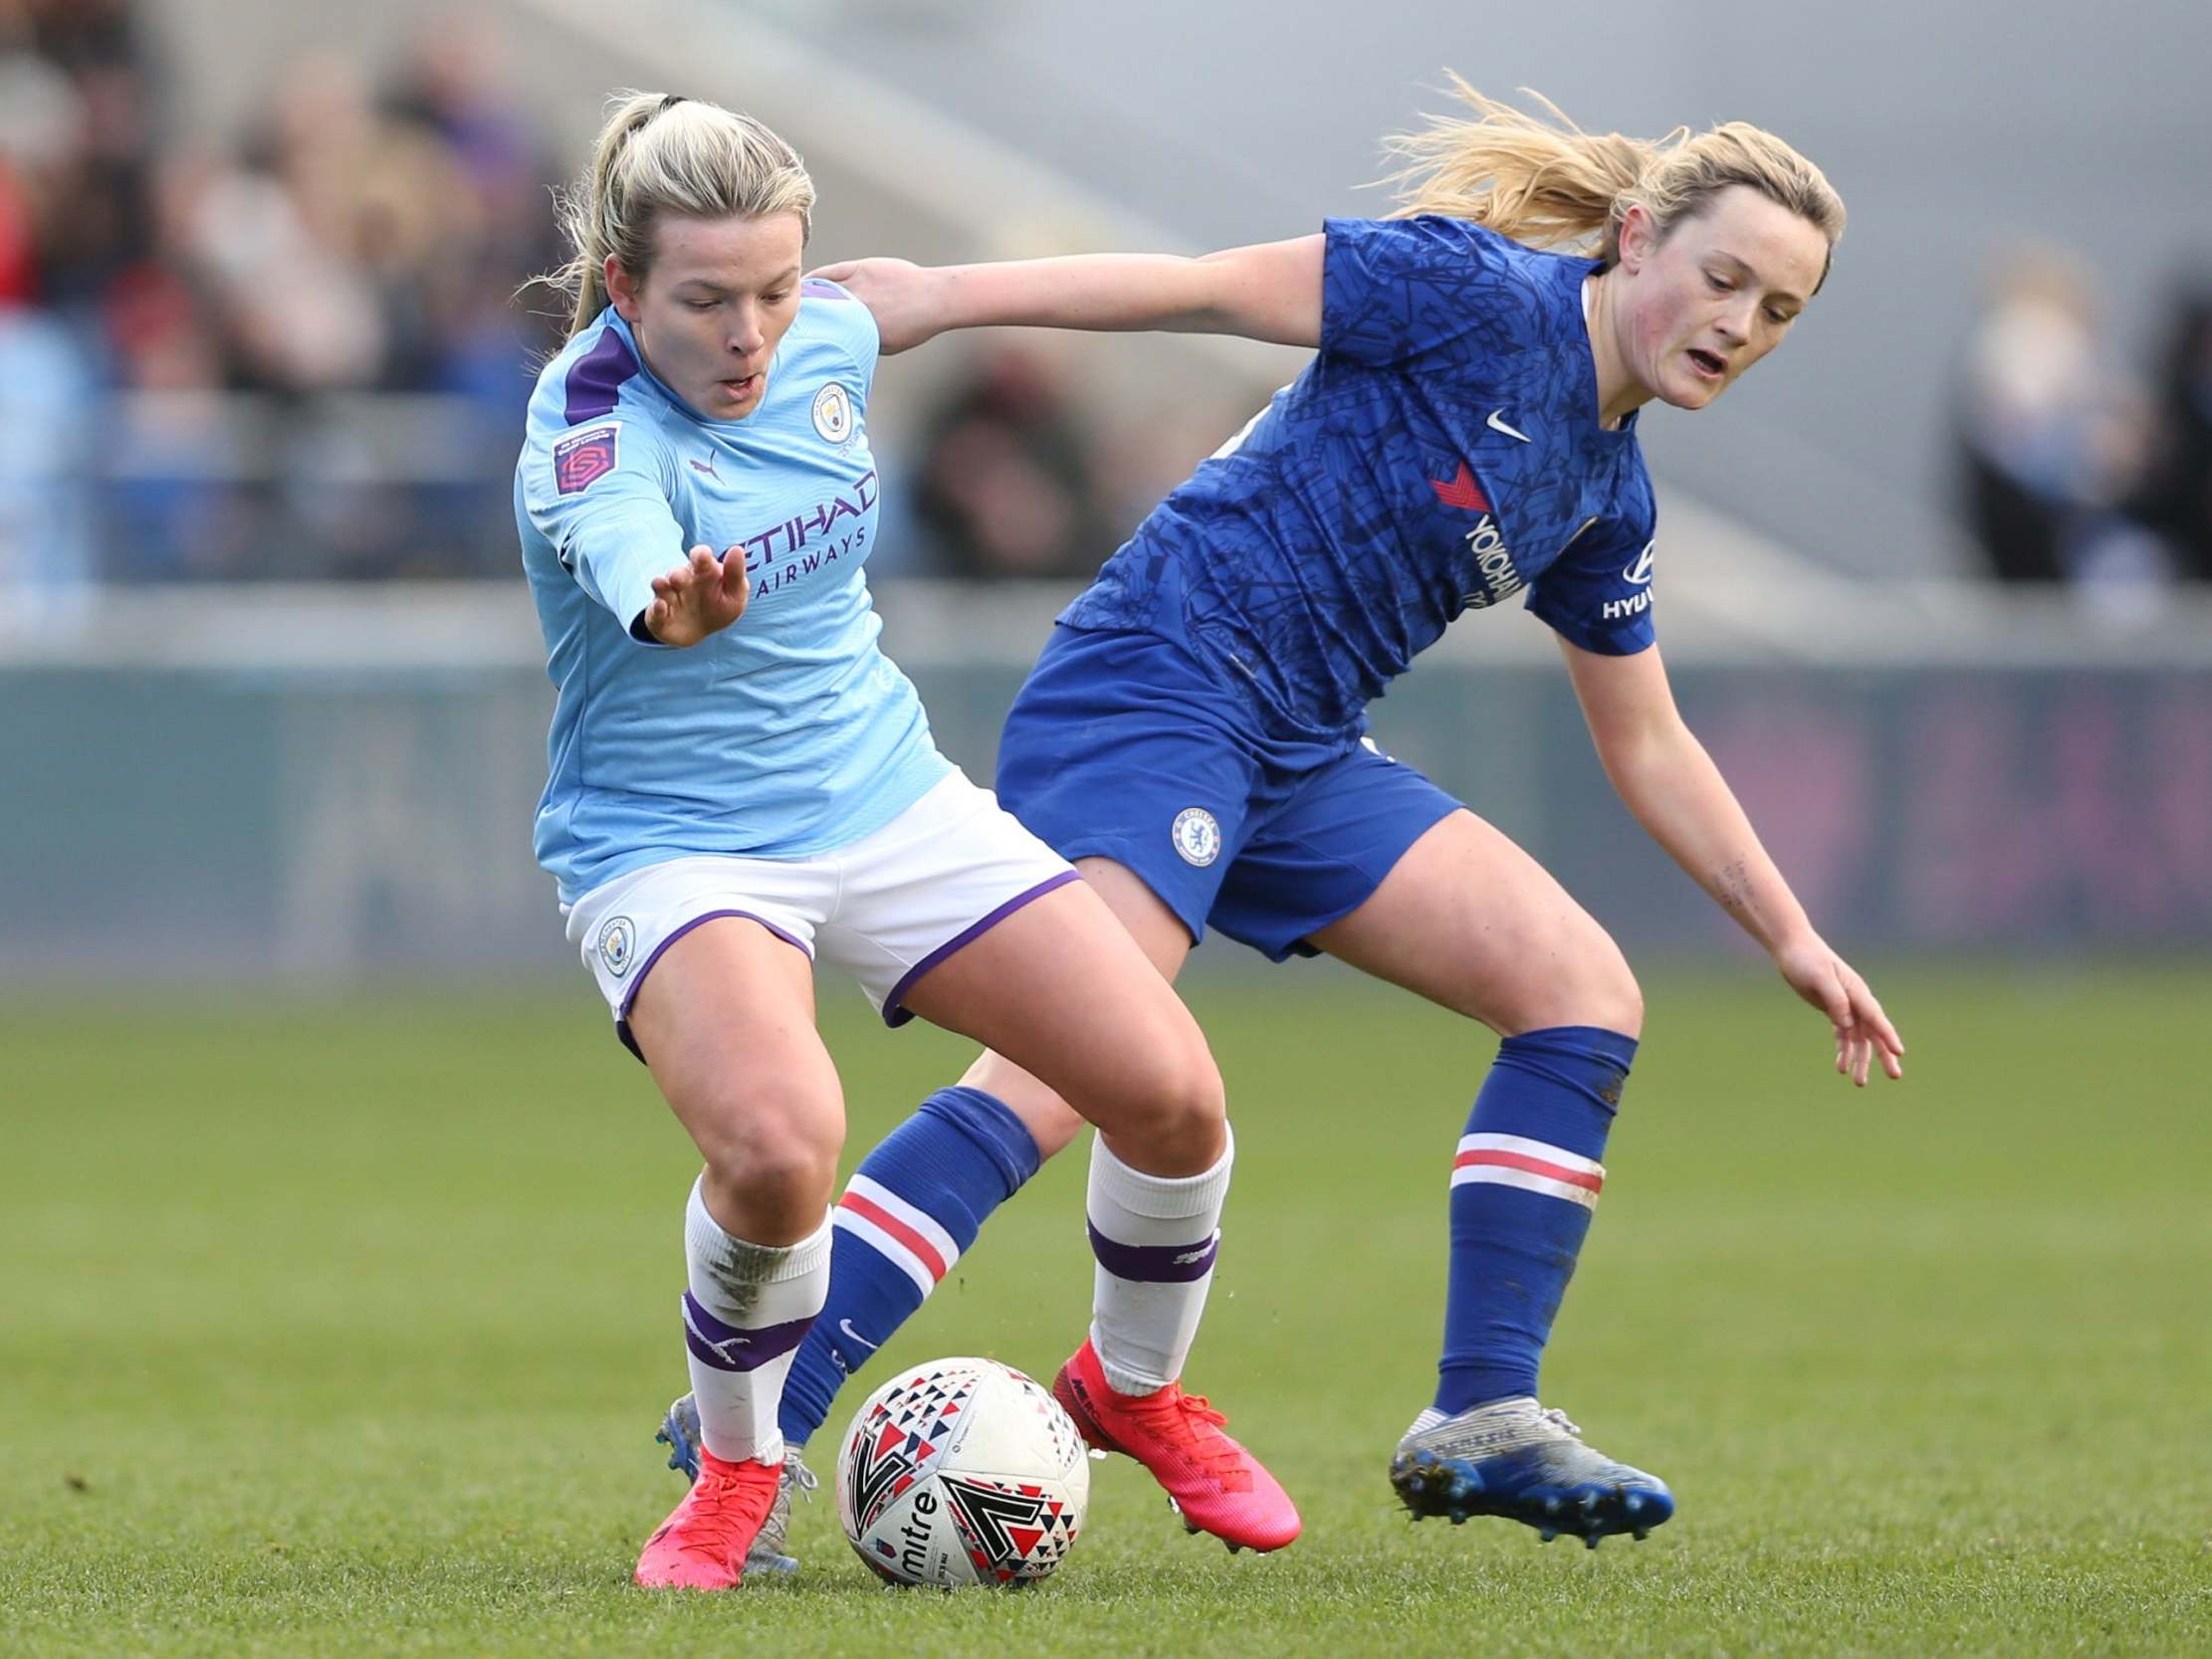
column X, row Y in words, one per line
column 1441, row 454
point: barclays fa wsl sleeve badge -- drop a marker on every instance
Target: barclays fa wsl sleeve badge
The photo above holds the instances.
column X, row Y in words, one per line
column 582, row 459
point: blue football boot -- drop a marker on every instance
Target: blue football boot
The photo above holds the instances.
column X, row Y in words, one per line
column 680, row 1434
column 1517, row 1459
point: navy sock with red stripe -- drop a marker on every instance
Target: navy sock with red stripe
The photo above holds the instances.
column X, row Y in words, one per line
column 909, row 1211
column 1524, row 1184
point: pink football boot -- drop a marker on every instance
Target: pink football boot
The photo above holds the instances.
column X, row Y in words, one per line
column 702, row 1545
column 1215, row 1484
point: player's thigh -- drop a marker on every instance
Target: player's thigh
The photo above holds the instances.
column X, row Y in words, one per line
column 1166, row 942
column 1063, row 991
column 725, row 1021
column 1469, row 919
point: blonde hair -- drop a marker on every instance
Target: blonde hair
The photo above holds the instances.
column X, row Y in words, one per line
column 1549, row 183
column 662, row 154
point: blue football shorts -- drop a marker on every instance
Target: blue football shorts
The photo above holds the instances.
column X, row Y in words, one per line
column 1122, row 745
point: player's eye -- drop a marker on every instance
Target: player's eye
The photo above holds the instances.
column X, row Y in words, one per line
column 1721, row 285
column 1778, row 317
column 701, row 304
column 778, row 297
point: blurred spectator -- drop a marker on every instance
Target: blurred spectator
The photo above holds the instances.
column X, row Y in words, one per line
column 2053, row 435
column 46, row 545
column 2177, row 498
column 1005, row 483
column 46, row 527
column 359, row 242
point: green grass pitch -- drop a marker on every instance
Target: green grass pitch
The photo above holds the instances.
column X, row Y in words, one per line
column 341, row 1326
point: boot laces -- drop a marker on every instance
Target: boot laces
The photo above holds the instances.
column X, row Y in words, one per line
column 1558, row 1419
column 1190, row 1421
column 725, row 1512
column 802, row 1477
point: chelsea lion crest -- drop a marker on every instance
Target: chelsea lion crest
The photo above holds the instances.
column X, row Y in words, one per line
column 617, row 944
column 1196, row 835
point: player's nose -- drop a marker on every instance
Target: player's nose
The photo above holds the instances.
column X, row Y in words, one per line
column 745, row 335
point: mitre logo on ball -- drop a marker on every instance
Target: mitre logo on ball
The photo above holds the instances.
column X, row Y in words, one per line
column 962, row 1472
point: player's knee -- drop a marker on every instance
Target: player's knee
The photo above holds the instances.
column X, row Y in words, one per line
column 1620, row 1004
column 1586, row 982
column 1172, row 1106
column 772, row 1154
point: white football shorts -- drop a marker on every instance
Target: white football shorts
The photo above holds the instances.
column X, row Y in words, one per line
column 886, row 910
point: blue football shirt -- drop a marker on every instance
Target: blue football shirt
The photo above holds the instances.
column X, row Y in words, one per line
column 785, row 734
column 1441, row 454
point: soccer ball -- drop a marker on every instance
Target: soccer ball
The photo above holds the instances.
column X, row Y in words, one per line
column 962, row 1472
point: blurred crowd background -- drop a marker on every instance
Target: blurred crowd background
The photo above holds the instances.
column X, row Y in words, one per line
column 306, row 354
column 298, row 350
column 1934, row 586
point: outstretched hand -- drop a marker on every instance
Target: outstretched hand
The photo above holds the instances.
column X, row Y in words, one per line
column 699, row 597
column 1834, row 986
column 904, row 298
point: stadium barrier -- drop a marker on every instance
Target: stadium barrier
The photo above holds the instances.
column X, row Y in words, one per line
column 329, row 782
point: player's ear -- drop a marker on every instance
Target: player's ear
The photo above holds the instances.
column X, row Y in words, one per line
column 1638, row 237
column 624, row 289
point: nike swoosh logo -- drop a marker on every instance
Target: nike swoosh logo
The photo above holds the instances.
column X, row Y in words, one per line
column 1497, row 423
column 845, row 1325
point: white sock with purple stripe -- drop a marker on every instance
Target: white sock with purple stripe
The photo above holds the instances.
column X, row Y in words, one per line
column 745, row 1311
column 1155, row 1238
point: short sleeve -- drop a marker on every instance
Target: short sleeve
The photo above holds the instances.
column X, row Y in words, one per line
column 598, row 494
column 1598, row 594
column 1394, row 290
column 854, row 325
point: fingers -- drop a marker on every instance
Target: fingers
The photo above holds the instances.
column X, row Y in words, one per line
column 1875, row 1034
column 1864, row 1032
column 698, row 565
column 1836, row 997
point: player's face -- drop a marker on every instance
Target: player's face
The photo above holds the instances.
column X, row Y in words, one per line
column 1717, row 294
column 713, row 307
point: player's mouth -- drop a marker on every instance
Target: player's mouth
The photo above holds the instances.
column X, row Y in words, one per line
column 740, row 387
column 1707, row 365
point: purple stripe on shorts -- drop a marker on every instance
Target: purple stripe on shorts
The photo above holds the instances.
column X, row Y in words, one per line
column 894, row 1015
column 731, row 1347
column 596, row 379
column 1155, row 1264
column 629, row 997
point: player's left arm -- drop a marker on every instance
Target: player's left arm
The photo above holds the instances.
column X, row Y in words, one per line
column 1269, row 291
column 1668, row 780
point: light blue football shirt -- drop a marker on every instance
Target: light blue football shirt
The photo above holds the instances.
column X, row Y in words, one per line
column 788, row 733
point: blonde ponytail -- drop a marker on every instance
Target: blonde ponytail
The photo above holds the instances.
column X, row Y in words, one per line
column 1550, row 184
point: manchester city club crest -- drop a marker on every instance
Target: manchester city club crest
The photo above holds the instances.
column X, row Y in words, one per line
column 833, row 413
column 1196, row 835
column 617, row 944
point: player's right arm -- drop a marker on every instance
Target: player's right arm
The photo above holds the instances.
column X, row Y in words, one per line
column 597, row 491
column 1271, row 291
